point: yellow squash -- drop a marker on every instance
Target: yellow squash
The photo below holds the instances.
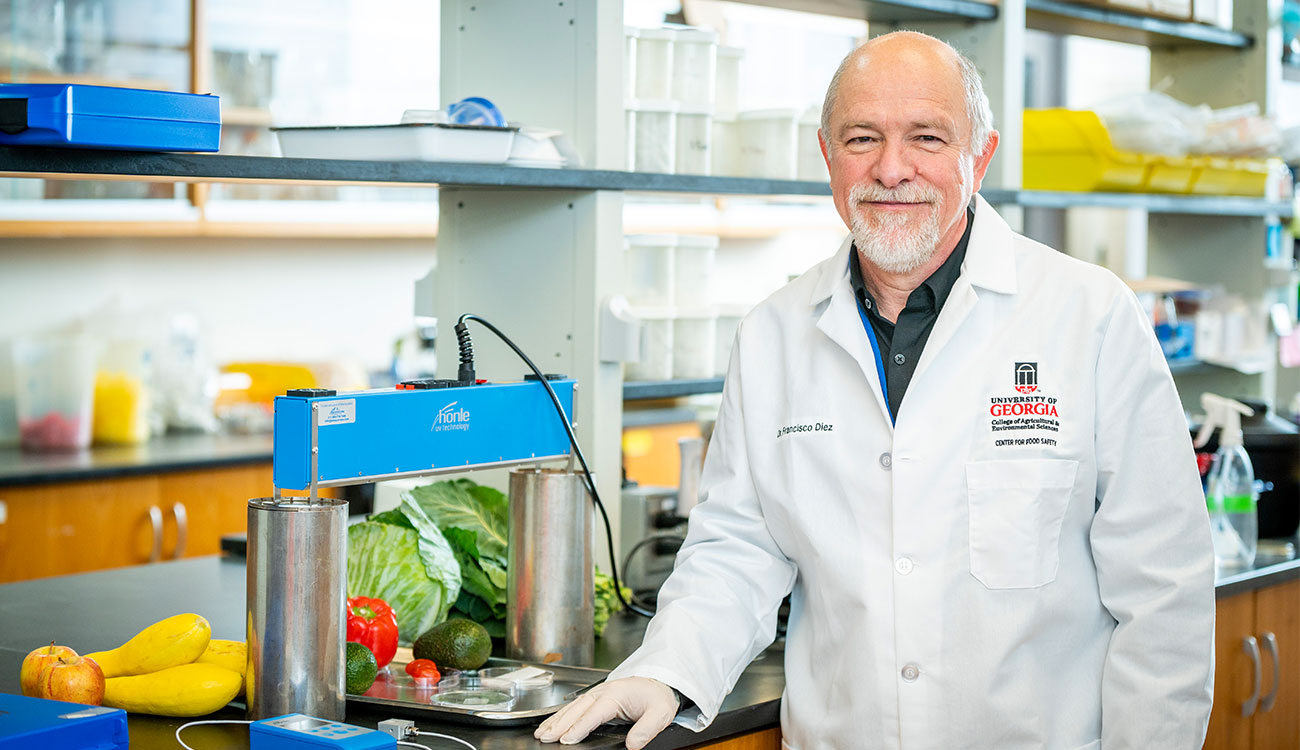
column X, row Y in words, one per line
column 232, row 655
column 167, row 643
column 187, row 690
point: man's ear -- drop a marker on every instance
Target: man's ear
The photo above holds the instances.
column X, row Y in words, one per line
column 826, row 151
column 982, row 161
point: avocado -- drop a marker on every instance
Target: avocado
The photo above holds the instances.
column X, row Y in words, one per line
column 360, row 669
column 457, row 643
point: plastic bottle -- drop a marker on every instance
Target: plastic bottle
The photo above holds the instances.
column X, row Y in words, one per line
column 1230, row 494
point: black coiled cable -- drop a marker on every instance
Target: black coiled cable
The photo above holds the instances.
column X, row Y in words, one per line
column 467, row 374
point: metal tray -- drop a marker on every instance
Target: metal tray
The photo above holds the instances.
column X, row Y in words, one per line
column 395, row 691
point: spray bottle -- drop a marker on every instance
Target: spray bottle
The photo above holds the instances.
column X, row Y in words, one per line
column 1230, row 492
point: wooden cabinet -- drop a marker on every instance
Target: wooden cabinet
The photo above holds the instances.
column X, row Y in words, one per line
column 73, row 527
column 1257, row 670
column 765, row 739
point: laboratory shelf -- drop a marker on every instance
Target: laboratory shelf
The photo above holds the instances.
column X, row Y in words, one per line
column 650, row 389
column 891, row 11
column 153, row 167
column 1121, row 26
column 1205, row 205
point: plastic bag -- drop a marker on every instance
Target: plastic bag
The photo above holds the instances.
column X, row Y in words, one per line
column 1153, row 123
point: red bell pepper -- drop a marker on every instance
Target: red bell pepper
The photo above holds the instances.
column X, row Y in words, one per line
column 373, row 624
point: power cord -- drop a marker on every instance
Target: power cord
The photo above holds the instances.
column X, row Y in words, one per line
column 466, row 374
column 627, row 559
column 209, row 721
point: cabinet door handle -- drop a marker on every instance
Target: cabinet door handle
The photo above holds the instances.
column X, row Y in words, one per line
column 182, row 529
column 155, row 520
column 1270, row 643
column 1251, row 647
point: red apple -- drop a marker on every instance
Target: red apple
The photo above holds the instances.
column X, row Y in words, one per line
column 75, row 679
column 38, row 660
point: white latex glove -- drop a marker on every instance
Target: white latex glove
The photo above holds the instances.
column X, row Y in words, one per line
column 649, row 703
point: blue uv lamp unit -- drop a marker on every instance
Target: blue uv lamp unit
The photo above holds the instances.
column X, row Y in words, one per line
column 79, row 116
column 302, row 732
column 329, row 439
column 55, row 725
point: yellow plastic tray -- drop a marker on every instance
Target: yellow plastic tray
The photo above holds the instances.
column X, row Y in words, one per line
column 1070, row 150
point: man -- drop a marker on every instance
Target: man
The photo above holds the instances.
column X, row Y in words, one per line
column 963, row 453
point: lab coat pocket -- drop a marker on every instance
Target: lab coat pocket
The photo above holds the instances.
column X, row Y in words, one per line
column 1016, row 508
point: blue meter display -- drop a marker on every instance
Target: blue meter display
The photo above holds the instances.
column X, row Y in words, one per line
column 301, row 732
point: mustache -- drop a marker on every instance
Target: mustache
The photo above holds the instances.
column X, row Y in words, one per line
column 908, row 192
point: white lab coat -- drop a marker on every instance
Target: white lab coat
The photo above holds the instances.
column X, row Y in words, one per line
column 1054, row 591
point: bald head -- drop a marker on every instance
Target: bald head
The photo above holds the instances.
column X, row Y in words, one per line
column 915, row 54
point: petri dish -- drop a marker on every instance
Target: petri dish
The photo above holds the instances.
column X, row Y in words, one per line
column 474, row 699
column 520, row 678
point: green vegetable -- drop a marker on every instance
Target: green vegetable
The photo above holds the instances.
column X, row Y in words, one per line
column 474, row 520
column 607, row 602
column 409, row 565
column 457, row 643
column 360, row 668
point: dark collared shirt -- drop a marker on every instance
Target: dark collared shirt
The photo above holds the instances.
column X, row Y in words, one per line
column 901, row 343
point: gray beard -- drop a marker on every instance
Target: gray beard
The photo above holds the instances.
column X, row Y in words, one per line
column 895, row 243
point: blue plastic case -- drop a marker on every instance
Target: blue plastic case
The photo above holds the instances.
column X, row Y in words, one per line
column 77, row 116
column 27, row 723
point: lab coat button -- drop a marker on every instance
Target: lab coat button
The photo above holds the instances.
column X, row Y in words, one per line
column 903, row 565
column 886, row 460
column 899, row 359
column 910, row 673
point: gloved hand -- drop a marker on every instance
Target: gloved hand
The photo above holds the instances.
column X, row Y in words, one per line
column 649, row 703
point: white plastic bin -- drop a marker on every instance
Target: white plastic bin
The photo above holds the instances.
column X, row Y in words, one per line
column 768, row 141
column 726, row 89
column 693, row 270
column 654, row 64
column 724, row 151
column 812, row 166
column 694, row 67
column 652, row 126
column 648, row 269
column 656, row 345
column 693, row 343
column 729, row 317
column 694, row 141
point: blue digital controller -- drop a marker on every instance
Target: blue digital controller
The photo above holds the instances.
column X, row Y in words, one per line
column 301, row 732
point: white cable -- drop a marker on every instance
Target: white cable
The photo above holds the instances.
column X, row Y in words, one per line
column 414, row 744
column 209, row 721
column 418, row 733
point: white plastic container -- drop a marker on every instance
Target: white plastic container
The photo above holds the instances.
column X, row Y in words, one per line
column 812, row 166
column 653, row 141
column 477, row 144
column 726, row 89
column 768, row 142
column 656, row 361
column 694, row 67
column 55, row 388
column 694, row 142
column 724, row 152
column 694, row 349
column 648, row 269
column 729, row 317
column 693, row 270
column 654, row 64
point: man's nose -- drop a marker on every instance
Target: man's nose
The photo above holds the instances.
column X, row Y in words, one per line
column 894, row 166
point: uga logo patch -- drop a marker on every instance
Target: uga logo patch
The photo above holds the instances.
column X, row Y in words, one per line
column 1026, row 377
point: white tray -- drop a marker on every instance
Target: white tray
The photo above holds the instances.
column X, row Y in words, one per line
column 477, row 144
